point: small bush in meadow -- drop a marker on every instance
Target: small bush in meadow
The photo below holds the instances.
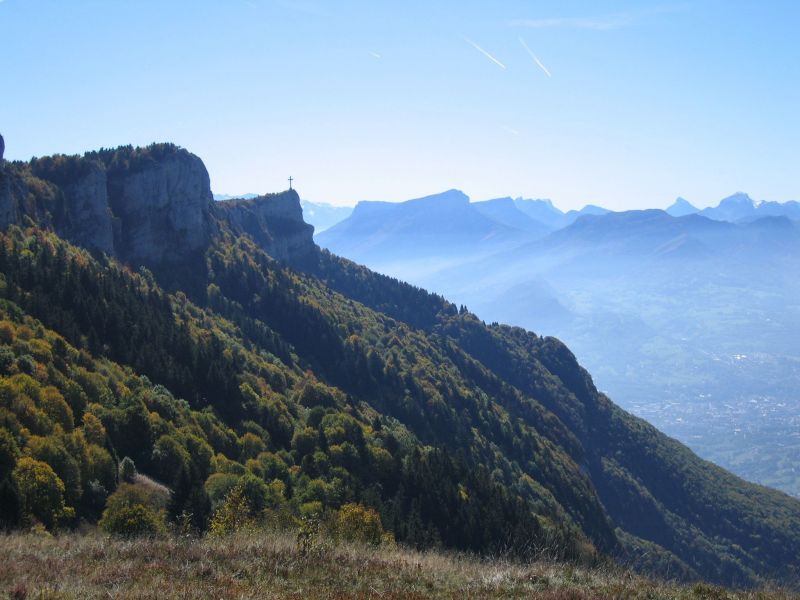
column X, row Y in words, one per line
column 132, row 521
column 234, row 514
column 356, row 523
column 134, row 510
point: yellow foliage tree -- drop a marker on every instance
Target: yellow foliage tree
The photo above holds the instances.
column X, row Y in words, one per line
column 41, row 491
column 233, row 515
column 357, row 523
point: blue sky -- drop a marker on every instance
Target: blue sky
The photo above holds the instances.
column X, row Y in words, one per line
column 633, row 104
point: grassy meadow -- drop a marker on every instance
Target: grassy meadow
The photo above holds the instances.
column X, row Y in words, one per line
column 244, row 566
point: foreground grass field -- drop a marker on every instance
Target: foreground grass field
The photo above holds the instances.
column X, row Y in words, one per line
column 257, row 566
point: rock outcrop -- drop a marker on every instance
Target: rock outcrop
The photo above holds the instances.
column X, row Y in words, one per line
column 87, row 220
column 146, row 206
column 162, row 210
column 274, row 221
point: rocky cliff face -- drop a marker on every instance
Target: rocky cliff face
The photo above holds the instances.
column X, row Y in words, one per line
column 87, row 219
column 150, row 206
column 162, row 210
column 275, row 221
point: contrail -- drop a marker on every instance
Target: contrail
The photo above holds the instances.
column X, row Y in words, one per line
column 484, row 52
column 375, row 54
column 533, row 56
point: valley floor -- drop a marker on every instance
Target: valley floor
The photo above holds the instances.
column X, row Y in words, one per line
column 259, row 566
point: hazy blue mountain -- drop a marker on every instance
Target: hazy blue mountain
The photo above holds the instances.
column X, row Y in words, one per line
column 543, row 211
column 733, row 208
column 790, row 209
column 740, row 207
column 689, row 321
column 681, row 207
column 590, row 209
column 635, row 232
column 654, row 233
column 505, row 211
column 421, row 235
column 323, row 216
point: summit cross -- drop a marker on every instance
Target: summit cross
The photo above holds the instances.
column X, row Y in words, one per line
column 291, row 179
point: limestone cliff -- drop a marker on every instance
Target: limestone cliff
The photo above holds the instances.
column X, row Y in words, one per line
column 275, row 221
column 162, row 209
column 146, row 206
column 86, row 219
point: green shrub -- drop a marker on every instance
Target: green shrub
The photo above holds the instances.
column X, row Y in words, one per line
column 134, row 510
column 233, row 515
column 132, row 521
column 218, row 486
column 41, row 492
column 356, row 523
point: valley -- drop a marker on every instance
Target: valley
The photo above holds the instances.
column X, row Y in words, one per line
column 686, row 321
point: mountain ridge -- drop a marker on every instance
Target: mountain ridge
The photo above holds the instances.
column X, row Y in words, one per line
column 151, row 209
column 366, row 388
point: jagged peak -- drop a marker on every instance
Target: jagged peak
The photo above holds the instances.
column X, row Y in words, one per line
column 681, row 207
column 738, row 198
column 681, row 201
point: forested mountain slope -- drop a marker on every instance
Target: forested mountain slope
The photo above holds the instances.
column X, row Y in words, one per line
column 318, row 382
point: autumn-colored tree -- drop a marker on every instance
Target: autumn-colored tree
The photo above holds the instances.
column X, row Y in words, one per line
column 356, row 523
column 41, row 492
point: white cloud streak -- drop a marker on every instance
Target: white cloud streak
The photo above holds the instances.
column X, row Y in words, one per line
column 374, row 54
column 535, row 58
column 604, row 22
column 484, row 52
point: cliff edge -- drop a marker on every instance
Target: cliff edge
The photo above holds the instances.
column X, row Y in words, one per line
column 147, row 206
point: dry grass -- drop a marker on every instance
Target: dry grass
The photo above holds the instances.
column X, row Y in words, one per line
column 270, row 566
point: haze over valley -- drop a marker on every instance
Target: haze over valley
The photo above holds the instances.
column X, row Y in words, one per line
column 690, row 321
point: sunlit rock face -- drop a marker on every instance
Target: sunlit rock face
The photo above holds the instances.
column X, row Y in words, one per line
column 87, row 219
column 162, row 210
column 143, row 207
column 275, row 221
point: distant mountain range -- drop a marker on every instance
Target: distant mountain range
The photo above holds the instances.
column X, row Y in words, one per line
column 430, row 233
column 541, row 216
column 689, row 309
column 444, row 225
column 738, row 207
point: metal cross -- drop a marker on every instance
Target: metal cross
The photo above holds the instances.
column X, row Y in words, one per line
column 290, row 182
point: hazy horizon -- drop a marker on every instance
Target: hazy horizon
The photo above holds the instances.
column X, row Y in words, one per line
column 555, row 203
